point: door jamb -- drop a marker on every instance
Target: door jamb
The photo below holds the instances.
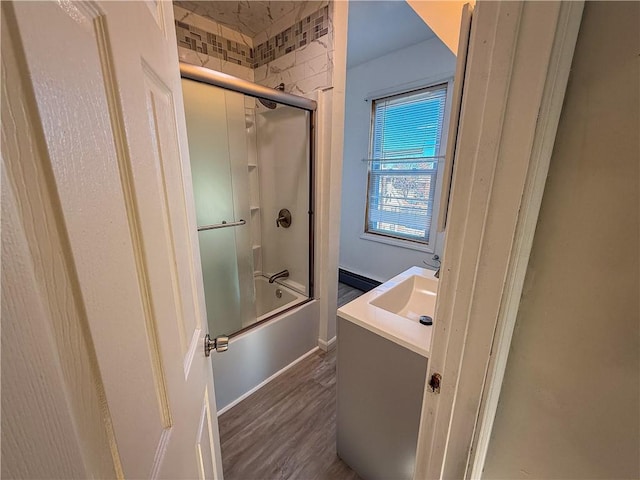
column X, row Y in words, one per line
column 518, row 67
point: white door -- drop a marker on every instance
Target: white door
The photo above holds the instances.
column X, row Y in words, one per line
column 106, row 186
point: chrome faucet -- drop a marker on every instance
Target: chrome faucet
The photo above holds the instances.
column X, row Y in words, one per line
column 282, row 274
column 437, row 259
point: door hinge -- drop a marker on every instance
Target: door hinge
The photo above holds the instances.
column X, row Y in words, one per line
column 434, row 382
column 219, row 344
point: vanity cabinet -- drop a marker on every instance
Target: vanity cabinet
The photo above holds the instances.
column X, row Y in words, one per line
column 380, row 388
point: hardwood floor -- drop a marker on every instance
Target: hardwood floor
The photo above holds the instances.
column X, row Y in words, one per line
column 347, row 293
column 287, row 429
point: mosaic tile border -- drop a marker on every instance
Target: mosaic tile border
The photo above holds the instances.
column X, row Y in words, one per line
column 296, row 36
column 216, row 46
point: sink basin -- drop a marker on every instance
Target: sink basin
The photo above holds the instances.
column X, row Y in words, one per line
column 393, row 309
column 413, row 297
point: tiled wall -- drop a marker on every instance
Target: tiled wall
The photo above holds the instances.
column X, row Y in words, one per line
column 199, row 33
column 296, row 36
column 295, row 50
column 214, row 45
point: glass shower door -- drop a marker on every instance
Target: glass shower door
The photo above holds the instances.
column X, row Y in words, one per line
column 218, row 151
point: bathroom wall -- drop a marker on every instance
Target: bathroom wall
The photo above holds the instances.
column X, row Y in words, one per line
column 569, row 405
column 405, row 69
column 308, row 65
column 303, row 61
column 206, row 43
column 443, row 17
column 283, row 143
column 295, row 49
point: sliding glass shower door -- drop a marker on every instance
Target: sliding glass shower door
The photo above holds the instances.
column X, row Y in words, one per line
column 218, row 150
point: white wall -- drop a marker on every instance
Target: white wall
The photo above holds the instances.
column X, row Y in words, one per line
column 283, row 165
column 443, row 17
column 412, row 67
column 570, row 400
column 306, row 69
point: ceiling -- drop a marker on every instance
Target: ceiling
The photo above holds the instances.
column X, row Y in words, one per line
column 376, row 27
column 249, row 17
column 380, row 27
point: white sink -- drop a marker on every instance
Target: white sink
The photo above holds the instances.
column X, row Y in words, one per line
column 411, row 298
column 393, row 309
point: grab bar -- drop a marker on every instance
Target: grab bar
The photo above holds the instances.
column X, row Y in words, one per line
column 224, row 224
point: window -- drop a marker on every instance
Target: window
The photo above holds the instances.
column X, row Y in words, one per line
column 406, row 150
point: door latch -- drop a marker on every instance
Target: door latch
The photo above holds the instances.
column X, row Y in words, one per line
column 219, row 344
column 434, row 382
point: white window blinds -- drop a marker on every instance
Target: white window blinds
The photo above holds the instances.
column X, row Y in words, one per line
column 405, row 148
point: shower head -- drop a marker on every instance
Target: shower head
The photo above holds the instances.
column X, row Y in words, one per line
column 269, row 103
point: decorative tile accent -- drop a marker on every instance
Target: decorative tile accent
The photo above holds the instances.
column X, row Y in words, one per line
column 213, row 45
column 298, row 35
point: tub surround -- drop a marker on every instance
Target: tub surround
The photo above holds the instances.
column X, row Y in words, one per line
column 407, row 332
column 308, row 70
column 273, row 298
column 294, row 48
column 251, row 17
column 228, row 59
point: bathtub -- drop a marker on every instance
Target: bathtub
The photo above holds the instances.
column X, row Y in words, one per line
column 273, row 298
column 285, row 332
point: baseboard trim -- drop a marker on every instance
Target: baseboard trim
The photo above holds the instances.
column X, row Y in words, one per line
column 328, row 345
column 357, row 281
column 262, row 384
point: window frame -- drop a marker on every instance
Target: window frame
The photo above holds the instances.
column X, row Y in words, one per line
column 435, row 240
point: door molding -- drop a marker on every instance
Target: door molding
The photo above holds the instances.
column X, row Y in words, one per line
column 518, row 66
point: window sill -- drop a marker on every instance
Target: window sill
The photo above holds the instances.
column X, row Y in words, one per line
column 396, row 242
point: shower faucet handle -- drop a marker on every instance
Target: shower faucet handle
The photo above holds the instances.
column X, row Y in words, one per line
column 284, row 218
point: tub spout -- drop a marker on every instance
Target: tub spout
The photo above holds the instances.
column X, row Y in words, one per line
column 275, row 276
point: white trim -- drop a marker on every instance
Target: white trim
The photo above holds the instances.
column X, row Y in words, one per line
column 507, row 91
column 435, row 240
column 558, row 76
column 327, row 346
column 329, row 145
column 409, row 87
column 398, row 242
column 262, row 384
column 454, row 115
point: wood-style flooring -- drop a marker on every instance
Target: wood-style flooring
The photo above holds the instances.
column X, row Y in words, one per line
column 347, row 293
column 287, row 429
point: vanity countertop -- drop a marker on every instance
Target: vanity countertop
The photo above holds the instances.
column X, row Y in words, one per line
column 404, row 329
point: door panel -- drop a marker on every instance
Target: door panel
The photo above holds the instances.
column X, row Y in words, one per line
column 205, row 440
column 107, row 89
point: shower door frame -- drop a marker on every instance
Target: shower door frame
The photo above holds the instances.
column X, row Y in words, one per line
column 235, row 84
